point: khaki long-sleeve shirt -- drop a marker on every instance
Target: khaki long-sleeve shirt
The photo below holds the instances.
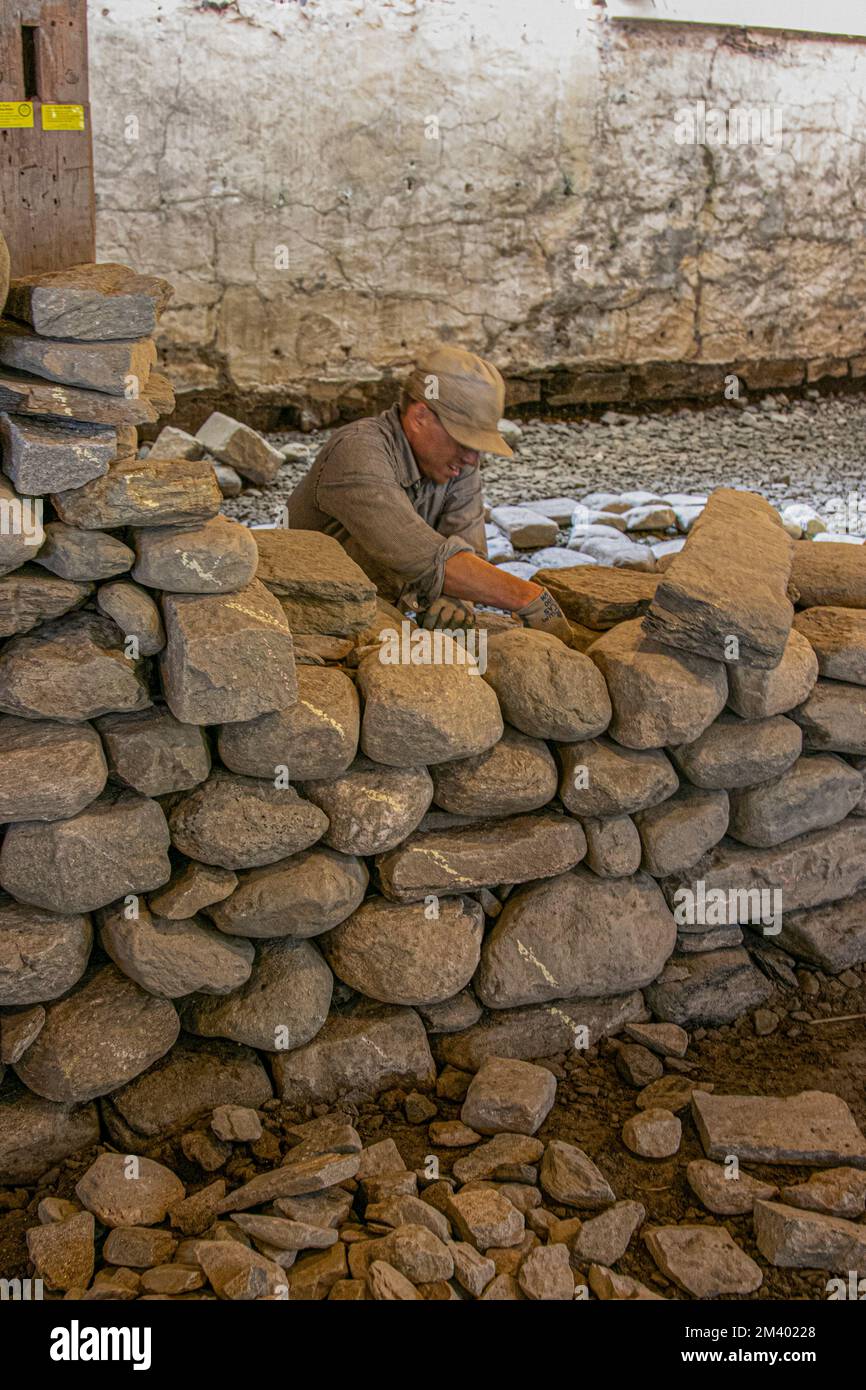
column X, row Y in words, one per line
column 366, row 489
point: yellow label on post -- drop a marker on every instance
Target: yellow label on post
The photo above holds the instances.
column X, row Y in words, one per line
column 16, row 114
column 56, row 117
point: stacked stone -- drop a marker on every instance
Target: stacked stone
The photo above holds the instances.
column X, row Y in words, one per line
column 258, row 838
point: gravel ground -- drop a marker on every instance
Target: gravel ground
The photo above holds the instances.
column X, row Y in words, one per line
column 805, row 450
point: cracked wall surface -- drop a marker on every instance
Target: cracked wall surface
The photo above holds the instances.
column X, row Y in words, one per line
column 333, row 185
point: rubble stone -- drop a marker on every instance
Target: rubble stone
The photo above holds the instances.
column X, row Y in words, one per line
column 601, row 778
column 138, row 492
column 319, row 586
column 759, row 694
column 282, row 1005
column 838, row 638
column 508, row 1095
column 74, row 754
column 135, row 613
column 545, row 689
column 834, row 717
column 71, row 669
column 171, row 959
column 793, row 1239
column 240, row 447
column 45, row 455
column 317, row 737
column 425, row 714
column 811, row 1127
column 705, row 1261
column 367, row 1050
column 243, row 822
column 214, row 557
column 153, row 753
column 735, row 752
column 677, row 832
column 302, row 896
column 517, row 774
column 814, row 793
column 371, row 808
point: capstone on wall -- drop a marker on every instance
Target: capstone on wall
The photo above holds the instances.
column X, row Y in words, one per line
column 331, row 185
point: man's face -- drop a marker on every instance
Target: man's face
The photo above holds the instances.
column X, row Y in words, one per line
column 439, row 457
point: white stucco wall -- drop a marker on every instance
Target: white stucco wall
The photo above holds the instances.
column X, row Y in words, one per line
column 555, row 224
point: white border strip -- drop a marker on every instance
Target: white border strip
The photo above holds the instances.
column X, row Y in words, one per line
column 846, row 17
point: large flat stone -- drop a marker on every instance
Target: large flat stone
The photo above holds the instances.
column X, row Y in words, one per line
column 320, row 587
column 302, row 896
column 838, row 637
column 45, row 455
column 117, row 845
column 829, row 575
column 29, row 597
column 383, row 950
column 812, row 1127
column 425, row 714
column 89, row 301
column 138, row 492
column 115, row 366
column 42, row 954
column 317, row 737
column 541, row 1030
column 793, row 1239
column 70, row 669
column 730, row 580
column 96, row 1038
column 812, row 869
column 214, row 557
column 364, row 1051
column 832, row 937
column 705, row 1261
column 457, row 861
column 73, row 752
column 36, row 1134
column 544, row 688
column 599, row 596
column 709, row 988
column 227, row 657
column 21, row 393
column 814, row 793
column 575, row 936
column 660, row 695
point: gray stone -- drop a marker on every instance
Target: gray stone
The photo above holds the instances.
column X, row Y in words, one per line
column 834, row 717
column 371, row 808
column 100, row 366
column 227, row 656
column 735, row 752
column 759, row 694
column 138, row 492
column 540, row 1031
column 576, row 936
column 830, row 575
column 617, row 551
column 675, row 834
column 99, row 1036
column 425, row 714
column 282, row 1005
column 319, row 586
column 705, row 1261
column 506, row 1094
column 637, row 1065
column 833, row 937
column 241, row 447
column 71, row 669
column 153, row 753
column 243, row 822
column 555, row 557
column 545, row 689
column 599, row 597
column 21, row 532
column 36, row 1134
column 302, row 896
column 25, row 394
column 457, row 861
column 386, row 950
column 71, row 756
column 135, row 613
column 234, row 1271
column 724, row 1191
column 729, row 582
column 569, row 1177
column 606, row 1284
column 517, row 774
column 28, row 597
column 525, row 527
column 115, row 846
column 172, row 443
column 49, row 455
column 171, row 959
column 838, row 638
column 812, row 1127
column 812, row 869
column 284, row 1234
column 230, row 481
column 368, row 1050
column 711, row 987
column 138, row 1247
column 91, row 301
column 195, row 1077
column 452, row 1015
column 472, row 1270
column 317, row 737
column 601, row 778
column 665, row 1039
column 613, row 848
column 815, row 793
column 659, row 695
column 42, row 954
column 653, row 1134
column 604, row 1239
column 498, row 1157
column 213, row 557
column 794, row 1239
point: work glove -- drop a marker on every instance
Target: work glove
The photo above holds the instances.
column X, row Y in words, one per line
column 448, row 613
column 545, row 615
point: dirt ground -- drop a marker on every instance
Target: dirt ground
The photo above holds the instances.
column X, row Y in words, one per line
column 592, row 1104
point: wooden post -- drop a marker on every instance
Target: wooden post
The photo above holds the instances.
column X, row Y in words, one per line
column 46, row 155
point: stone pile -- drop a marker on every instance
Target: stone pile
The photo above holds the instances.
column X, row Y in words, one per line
column 249, row 852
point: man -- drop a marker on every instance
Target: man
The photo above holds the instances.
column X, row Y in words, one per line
column 402, row 493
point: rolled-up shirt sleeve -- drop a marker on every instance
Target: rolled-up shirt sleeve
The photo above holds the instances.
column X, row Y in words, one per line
column 376, row 511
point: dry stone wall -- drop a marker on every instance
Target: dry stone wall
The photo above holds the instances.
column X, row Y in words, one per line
column 249, row 851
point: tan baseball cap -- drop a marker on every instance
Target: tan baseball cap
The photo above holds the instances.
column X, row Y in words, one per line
column 466, row 394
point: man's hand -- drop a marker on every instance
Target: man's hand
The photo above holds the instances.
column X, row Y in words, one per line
column 545, row 615
column 448, row 613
